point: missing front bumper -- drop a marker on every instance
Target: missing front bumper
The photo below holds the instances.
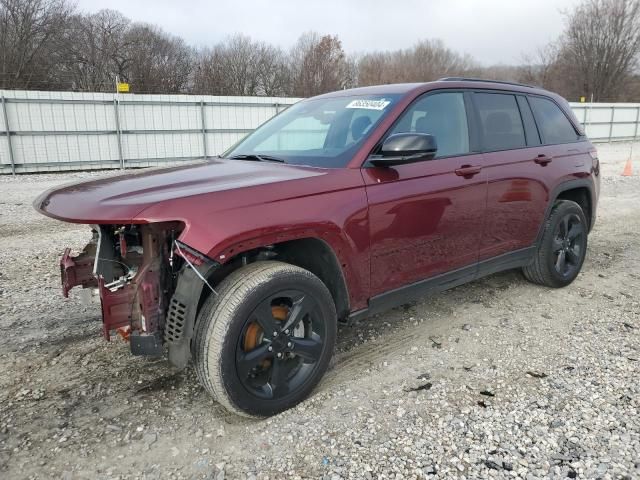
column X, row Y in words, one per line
column 134, row 302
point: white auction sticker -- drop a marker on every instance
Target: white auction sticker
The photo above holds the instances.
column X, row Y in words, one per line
column 369, row 104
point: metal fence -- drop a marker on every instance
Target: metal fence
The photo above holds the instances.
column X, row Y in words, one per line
column 609, row 122
column 57, row 131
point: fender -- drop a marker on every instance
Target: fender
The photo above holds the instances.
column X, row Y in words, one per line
column 340, row 220
column 185, row 302
column 330, row 206
column 354, row 279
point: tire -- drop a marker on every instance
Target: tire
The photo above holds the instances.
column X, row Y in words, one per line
column 562, row 248
column 246, row 367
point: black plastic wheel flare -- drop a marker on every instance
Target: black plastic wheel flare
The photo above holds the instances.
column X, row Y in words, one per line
column 287, row 350
column 568, row 245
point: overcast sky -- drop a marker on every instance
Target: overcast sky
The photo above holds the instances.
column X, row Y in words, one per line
column 492, row 31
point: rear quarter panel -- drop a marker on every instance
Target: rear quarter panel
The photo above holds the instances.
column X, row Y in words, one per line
column 572, row 167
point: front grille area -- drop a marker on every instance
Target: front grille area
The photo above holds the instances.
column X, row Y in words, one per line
column 175, row 321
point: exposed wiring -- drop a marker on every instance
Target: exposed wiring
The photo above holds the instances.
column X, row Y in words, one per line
column 194, row 268
column 116, row 261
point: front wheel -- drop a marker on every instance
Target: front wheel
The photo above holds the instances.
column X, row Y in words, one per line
column 563, row 246
column 263, row 343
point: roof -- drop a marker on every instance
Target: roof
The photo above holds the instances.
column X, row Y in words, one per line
column 448, row 82
column 387, row 89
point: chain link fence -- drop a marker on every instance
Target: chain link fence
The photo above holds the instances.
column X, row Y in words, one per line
column 57, row 131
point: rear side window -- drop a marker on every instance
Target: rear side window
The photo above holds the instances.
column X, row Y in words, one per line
column 442, row 115
column 500, row 120
column 554, row 125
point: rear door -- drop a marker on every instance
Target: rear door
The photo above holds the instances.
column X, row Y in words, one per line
column 516, row 192
column 426, row 217
column 565, row 149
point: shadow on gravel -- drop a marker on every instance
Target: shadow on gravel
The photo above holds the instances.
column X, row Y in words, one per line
column 486, row 291
column 73, row 338
column 165, row 382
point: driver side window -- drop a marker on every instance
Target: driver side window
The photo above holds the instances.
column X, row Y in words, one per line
column 442, row 115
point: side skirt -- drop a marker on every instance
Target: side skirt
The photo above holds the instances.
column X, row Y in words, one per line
column 394, row 298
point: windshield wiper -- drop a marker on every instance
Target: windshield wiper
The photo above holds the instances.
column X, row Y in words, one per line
column 258, row 158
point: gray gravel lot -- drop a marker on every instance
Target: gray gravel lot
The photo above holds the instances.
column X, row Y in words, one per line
column 499, row 378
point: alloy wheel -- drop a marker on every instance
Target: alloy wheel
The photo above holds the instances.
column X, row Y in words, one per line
column 280, row 345
column 568, row 244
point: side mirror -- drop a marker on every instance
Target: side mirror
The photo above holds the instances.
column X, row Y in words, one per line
column 404, row 148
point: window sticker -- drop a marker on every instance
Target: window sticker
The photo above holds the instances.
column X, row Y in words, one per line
column 369, row 104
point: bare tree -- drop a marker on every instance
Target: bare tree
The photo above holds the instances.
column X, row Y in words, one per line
column 158, row 62
column 240, row 66
column 375, row 69
column 240, row 57
column 273, row 72
column 601, row 46
column 427, row 60
column 431, row 59
column 208, row 75
column 318, row 65
column 30, row 37
column 45, row 44
column 541, row 67
column 97, row 49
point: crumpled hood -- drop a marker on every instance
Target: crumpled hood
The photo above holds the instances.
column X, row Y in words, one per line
column 121, row 198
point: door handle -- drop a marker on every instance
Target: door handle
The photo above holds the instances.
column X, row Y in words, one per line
column 468, row 171
column 542, row 159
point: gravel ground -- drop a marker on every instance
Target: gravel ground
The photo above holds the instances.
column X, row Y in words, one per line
column 498, row 378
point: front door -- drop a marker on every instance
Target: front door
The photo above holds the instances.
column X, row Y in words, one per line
column 426, row 218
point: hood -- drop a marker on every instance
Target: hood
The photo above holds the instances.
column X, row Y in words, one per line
column 121, row 198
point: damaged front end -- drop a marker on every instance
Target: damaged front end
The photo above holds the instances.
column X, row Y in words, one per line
column 136, row 269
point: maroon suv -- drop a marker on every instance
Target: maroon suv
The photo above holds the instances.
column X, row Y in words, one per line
column 341, row 207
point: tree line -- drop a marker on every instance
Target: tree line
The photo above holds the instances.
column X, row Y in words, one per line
column 49, row 45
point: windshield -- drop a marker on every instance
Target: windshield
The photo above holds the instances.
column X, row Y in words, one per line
column 322, row 132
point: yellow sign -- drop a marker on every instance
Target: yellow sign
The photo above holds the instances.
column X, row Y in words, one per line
column 123, row 88
column 583, row 99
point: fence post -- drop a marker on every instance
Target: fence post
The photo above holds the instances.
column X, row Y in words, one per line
column 8, row 133
column 613, row 114
column 635, row 133
column 118, row 132
column 203, row 124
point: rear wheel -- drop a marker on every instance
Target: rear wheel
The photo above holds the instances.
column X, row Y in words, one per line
column 266, row 339
column 563, row 246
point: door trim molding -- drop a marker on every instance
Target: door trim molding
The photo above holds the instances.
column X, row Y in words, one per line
column 399, row 296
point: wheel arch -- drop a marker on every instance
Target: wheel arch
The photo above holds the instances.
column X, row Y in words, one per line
column 582, row 196
column 580, row 191
column 311, row 253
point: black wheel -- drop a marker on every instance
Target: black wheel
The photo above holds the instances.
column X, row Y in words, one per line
column 265, row 341
column 562, row 248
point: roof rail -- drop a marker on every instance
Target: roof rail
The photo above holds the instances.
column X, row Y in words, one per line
column 465, row 79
